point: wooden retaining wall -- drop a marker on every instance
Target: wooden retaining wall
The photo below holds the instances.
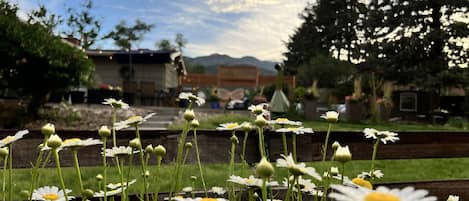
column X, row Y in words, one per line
column 214, row 145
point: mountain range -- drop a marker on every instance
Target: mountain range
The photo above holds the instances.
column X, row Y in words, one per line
column 211, row 62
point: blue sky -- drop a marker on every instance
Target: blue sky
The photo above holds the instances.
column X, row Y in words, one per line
column 235, row 27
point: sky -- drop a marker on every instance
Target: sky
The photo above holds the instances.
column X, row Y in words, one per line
column 237, row 28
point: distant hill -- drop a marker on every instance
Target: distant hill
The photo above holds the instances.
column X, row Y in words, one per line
column 212, row 61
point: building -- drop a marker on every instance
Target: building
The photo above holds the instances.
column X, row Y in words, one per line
column 140, row 73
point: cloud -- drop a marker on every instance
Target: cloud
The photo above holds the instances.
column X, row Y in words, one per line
column 261, row 33
column 226, row 6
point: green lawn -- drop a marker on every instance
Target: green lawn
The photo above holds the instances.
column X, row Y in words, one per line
column 215, row 120
column 216, row 174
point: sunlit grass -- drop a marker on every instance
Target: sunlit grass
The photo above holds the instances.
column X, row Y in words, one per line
column 216, row 174
column 215, row 120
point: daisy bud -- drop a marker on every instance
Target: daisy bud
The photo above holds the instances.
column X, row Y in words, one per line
column 195, row 123
column 188, row 145
column 331, row 116
column 264, row 168
column 149, row 149
column 260, row 121
column 54, row 141
column 99, row 177
column 4, row 151
column 234, row 139
column 246, row 127
column 48, row 129
column 335, row 145
column 135, row 143
column 88, row 193
column 159, row 150
column 147, row 173
column 255, row 195
column 193, row 178
column 343, row 154
column 104, row 131
column 189, row 115
column 334, row 171
column 453, row 198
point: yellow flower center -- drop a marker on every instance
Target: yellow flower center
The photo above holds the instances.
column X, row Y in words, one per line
column 378, row 196
column 8, row 139
column 363, row 183
column 293, row 129
column 208, row 199
column 281, row 120
column 50, row 196
column 232, row 126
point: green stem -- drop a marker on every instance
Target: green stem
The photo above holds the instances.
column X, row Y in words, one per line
column 373, row 157
column 250, row 195
column 114, row 141
column 231, row 168
column 181, row 143
column 290, row 188
column 104, row 169
column 298, row 189
column 142, row 161
column 343, row 172
column 285, row 146
column 324, row 150
column 36, row 168
column 261, row 142
column 199, row 163
column 5, row 163
column 77, row 168
column 126, row 191
column 10, row 173
column 293, row 140
column 264, row 189
column 123, row 196
column 59, row 172
column 157, row 173
column 243, row 153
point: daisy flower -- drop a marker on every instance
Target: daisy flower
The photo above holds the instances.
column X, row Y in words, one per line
column 383, row 136
column 453, row 198
column 119, row 104
column 77, row 142
column 132, row 121
column 376, row 174
column 191, row 97
column 119, row 151
column 306, row 185
column 187, row 189
column 285, row 121
column 199, row 199
column 259, row 108
column 13, row 138
column 50, row 193
column 100, row 194
column 119, row 185
column 228, row 126
column 246, row 126
column 251, row 181
column 218, row 190
column 297, row 169
column 348, row 193
column 298, row 130
column 331, row 116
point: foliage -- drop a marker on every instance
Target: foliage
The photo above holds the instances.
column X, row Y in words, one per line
column 84, row 24
column 328, row 71
column 165, row 44
column 42, row 16
column 34, row 62
column 195, row 68
column 124, row 35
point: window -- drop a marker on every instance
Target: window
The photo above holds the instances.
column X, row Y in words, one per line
column 408, row 102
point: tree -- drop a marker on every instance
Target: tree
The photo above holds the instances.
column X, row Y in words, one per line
column 83, row 24
column 180, row 41
column 165, row 44
column 124, row 35
column 34, row 62
column 43, row 17
column 329, row 72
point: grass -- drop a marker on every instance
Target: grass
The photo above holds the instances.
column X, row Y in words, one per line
column 215, row 120
column 216, row 174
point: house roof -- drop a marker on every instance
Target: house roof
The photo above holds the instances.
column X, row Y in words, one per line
column 142, row 56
